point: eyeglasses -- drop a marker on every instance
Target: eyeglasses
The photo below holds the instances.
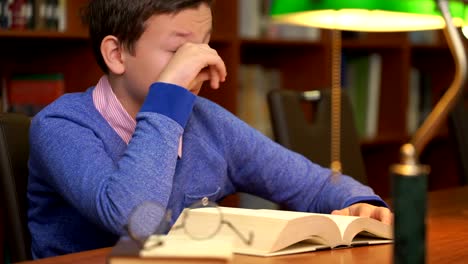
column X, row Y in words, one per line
column 149, row 221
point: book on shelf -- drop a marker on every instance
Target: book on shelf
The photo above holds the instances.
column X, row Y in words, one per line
column 363, row 83
column 33, row 15
column 254, row 22
column 249, row 18
column 40, row 14
column 16, row 14
column 413, row 113
column 61, row 15
column 420, row 99
column 50, row 15
column 278, row 232
column 255, row 82
column 29, row 93
column 4, row 14
column 424, row 37
column 373, row 99
column 173, row 250
column 292, row 32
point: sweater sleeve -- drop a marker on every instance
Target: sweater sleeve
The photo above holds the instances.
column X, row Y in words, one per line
column 70, row 157
column 259, row 166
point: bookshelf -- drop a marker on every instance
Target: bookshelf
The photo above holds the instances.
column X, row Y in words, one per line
column 303, row 64
column 47, row 51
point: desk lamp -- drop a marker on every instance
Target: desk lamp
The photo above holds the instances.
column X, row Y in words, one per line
column 409, row 176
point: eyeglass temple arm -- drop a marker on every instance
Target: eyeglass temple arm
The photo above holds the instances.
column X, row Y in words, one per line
column 247, row 241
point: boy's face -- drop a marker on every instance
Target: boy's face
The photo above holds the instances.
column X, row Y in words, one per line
column 164, row 34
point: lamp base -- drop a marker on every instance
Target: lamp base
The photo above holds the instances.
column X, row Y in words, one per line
column 409, row 202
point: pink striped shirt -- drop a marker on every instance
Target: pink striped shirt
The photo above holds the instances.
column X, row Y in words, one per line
column 114, row 113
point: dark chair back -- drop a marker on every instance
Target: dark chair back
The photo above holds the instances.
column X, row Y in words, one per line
column 14, row 152
column 311, row 138
column 459, row 128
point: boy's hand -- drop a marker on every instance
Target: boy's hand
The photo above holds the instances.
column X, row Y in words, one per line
column 191, row 65
column 382, row 214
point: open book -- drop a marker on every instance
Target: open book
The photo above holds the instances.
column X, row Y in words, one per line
column 277, row 232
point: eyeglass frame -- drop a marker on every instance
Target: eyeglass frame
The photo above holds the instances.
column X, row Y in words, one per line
column 203, row 203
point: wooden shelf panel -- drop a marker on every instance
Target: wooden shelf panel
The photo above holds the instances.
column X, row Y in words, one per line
column 430, row 48
column 297, row 61
column 20, row 34
column 280, row 42
column 372, row 45
column 384, row 140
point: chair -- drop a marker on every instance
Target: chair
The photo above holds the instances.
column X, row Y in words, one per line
column 311, row 138
column 14, row 152
column 458, row 121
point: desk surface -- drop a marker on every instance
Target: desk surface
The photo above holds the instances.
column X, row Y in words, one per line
column 447, row 236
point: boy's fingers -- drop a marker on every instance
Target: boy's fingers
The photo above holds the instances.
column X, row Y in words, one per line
column 366, row 210
column 383, row 214
column 214, row 75
column 362, row 210
column 344, row 211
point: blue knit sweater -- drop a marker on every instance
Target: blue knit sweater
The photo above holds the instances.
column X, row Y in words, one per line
column 84, row 180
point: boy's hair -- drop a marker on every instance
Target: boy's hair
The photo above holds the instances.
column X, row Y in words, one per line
column 125, row 19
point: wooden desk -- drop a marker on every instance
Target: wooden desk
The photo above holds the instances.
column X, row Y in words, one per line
column 447, row 237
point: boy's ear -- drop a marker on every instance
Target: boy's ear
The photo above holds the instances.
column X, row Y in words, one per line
column 112, row 52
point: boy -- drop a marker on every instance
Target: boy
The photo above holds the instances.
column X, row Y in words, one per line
column 143, row 134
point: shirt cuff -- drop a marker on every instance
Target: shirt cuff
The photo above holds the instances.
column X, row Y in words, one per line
column 170, row 100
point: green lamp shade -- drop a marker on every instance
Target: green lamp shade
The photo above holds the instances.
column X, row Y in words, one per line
column 366, row 15
column 465, row 25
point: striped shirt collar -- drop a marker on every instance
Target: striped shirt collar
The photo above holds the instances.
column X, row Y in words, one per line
column 114, row 113
column 112, row 110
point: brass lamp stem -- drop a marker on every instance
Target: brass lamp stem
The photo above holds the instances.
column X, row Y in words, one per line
column 335, row 128
column 433, row 122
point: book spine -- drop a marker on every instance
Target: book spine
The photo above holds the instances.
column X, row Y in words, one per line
column 62, row 15
column 413, row 102
column 18, row 15
column 373, row 98
column 49, row 14
column 255, row 83
column 30, row 94
column 29, row 14
column 425, row 37
column 363, row 83
column 40, row 8
column 249, row 18
column 54, row 15
column 3, row 14
column 358, row 76
column 33, row 15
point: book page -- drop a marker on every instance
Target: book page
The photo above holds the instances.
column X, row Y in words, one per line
column 276, row 229
column 342, row 222
column 350, row 226
column 270, row 213
column 372, row 230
